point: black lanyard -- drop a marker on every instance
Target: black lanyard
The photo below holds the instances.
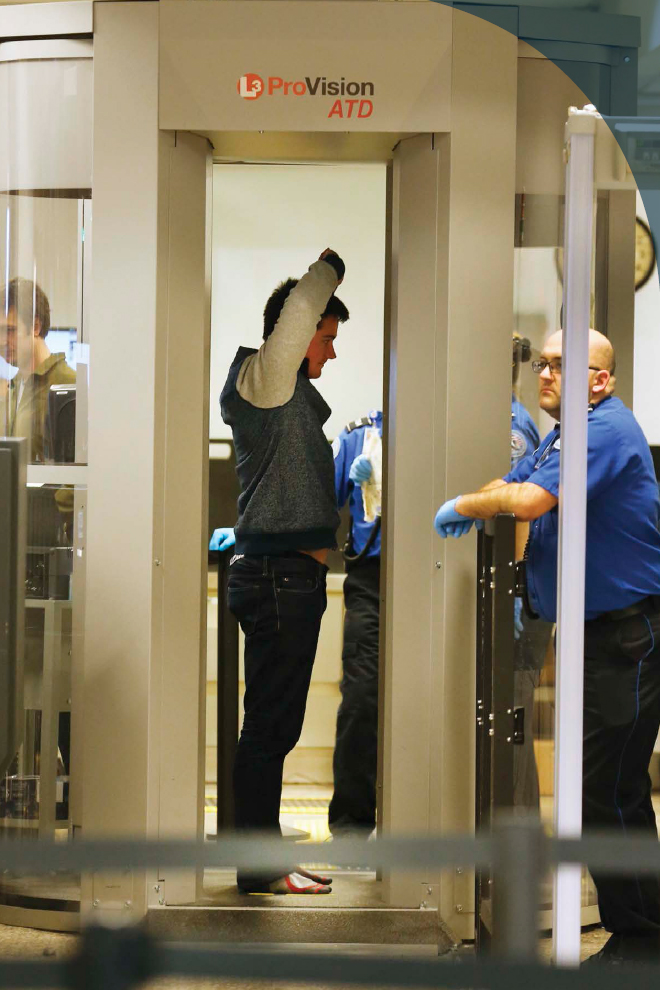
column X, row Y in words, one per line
column 546, row 450
column 548, row 447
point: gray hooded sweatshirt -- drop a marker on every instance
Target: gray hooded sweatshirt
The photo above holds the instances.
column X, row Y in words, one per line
column 283, row 459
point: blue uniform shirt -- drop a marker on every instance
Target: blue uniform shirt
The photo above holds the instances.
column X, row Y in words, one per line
column 346, row 448
column 524, row 435
column 623, row 542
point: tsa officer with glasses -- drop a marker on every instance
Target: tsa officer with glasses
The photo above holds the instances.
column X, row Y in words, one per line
column 622, row 618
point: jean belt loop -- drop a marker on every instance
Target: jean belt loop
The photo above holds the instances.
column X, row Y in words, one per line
column 265, row 566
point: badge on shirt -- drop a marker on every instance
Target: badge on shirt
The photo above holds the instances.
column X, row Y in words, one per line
column 518, row 446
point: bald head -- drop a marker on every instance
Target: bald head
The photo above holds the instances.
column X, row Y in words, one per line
column 601, row 371
column 601, row 352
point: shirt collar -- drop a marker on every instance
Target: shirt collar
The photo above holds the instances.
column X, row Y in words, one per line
column 42, row 369
column 592, row 406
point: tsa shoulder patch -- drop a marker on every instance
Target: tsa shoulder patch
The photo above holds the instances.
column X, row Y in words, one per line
column 357, row 423
column 336, row 446
column 518, row 446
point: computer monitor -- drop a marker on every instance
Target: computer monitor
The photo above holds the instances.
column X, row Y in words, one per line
column 60, row 432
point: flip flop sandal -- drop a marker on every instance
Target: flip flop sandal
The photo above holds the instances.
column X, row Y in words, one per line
column 326, row 881
column 293, row 883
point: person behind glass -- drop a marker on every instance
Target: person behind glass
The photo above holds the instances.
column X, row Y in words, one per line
column 524, row 434
column 24, row 323
column 622, row 618
column 287, row 522
column 352, row 811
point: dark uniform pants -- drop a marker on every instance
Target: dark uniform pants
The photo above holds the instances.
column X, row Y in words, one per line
column 621, row 721
column 279, row 602
column 353, row 805
column 528, row 659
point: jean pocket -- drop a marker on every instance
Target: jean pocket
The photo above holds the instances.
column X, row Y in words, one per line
column 297, row 584
column 244, row 601
column 300, row 597
column 637, row 637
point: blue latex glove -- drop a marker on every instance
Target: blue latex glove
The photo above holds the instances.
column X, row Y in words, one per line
column 222, row 539
column 517, row 618
column 448, row 522
column 361, row 469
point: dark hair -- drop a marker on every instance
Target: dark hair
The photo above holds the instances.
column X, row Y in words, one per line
column 30, row 302
column 275, row 304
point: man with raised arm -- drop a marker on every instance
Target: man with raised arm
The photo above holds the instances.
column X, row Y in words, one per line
column 287, row 522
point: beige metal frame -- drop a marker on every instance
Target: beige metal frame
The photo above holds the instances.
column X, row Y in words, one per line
column 139, row 737
column 451, row 314
column 143, row 719
column 452, row 284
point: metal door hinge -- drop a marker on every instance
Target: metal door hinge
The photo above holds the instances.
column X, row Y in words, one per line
column 430, row 897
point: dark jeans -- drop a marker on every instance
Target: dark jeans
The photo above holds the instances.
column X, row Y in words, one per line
column 279, row 602
column 353, row 805
column 621, row 721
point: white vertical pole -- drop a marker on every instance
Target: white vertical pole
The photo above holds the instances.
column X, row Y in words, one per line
column 581, row 129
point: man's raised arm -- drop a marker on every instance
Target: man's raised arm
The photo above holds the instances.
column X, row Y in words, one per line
column 268, row 378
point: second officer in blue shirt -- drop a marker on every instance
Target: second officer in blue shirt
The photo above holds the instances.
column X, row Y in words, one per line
column 353, row 807
column 622, row 618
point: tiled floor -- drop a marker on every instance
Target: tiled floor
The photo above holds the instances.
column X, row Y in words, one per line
column 305, row 807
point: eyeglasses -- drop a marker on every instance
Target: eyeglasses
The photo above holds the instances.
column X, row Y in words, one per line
column 540, row 366
column 555, row 367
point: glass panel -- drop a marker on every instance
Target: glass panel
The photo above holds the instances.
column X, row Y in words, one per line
column 45, row 200
column 34, row 795
column 538, row 280
column 43, row 356
column 645, row 392
column 44, row 207
column 47, row 671
column 537, row 313
column 538, row 298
